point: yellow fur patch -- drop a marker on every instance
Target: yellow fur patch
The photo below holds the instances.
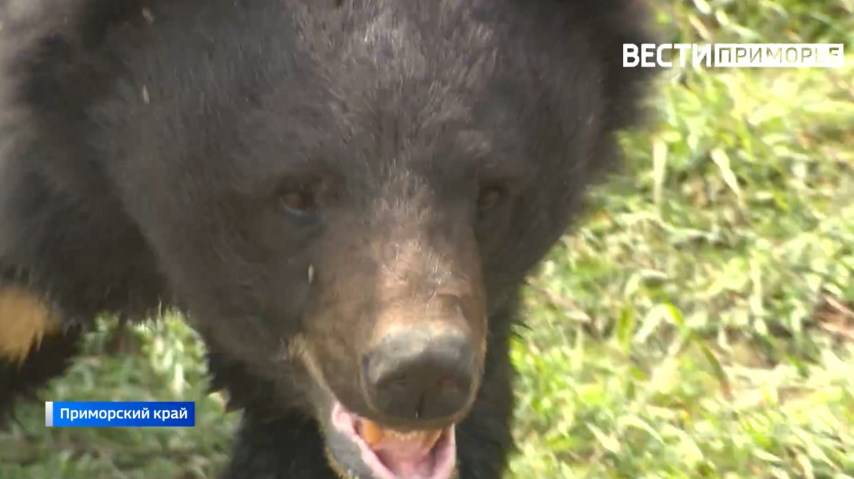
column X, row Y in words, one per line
column 24, row 320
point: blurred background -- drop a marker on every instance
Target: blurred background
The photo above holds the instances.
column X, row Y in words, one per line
column 698, row 321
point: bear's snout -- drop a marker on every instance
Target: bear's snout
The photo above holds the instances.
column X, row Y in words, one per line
column 421, row 374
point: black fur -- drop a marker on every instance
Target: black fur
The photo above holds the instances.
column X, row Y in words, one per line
column 144, row 144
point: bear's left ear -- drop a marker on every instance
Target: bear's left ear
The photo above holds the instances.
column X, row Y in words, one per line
column 613, row 24
column 77, row 22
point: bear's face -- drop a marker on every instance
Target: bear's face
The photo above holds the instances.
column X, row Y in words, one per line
column 341, row 210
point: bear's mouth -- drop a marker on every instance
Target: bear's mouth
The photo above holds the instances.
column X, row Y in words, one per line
column 390, row 454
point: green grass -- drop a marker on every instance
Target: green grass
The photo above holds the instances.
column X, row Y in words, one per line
column 697, row 323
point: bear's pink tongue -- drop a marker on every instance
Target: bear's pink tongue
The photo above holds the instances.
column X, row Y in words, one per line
column 406, row 454
column 390, row 454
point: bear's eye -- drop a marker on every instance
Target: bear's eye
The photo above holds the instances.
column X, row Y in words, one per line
column 299, row 202
column 490, row 196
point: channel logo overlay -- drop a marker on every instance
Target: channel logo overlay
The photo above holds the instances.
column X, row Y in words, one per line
column 734, row 55
column 99, row 414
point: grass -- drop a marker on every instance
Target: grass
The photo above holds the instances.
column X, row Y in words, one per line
column 697, row 323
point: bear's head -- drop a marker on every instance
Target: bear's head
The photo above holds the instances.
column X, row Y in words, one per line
column 342, row 196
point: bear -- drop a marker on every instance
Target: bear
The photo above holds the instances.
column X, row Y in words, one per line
column 343, row 197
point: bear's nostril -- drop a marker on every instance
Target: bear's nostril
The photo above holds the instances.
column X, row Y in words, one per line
column 412, row 375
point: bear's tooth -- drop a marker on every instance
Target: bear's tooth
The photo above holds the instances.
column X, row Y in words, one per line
column 371, row 432
column 400, row 435
column 432, row 438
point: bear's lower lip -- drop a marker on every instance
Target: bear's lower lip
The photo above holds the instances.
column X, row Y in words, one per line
column 389, row 454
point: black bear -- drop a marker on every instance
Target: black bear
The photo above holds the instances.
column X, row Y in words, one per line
column 342, row 196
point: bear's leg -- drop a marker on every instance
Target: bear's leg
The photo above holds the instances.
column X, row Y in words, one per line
column 34, row 347
column 289, row 448
column 484, row 438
